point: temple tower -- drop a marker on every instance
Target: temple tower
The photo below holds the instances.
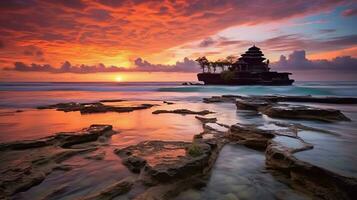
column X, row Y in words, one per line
column 252, row 61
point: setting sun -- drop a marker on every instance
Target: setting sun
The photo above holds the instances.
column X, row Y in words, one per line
column 118, row 78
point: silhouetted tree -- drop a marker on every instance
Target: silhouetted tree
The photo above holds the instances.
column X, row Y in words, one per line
column 220, row 64
column 230, row 60
column 214, row 65
column 203, row 62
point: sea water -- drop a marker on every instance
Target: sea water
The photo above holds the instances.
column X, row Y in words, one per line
column 240, row 168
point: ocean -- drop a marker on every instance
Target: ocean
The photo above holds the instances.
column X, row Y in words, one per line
column 238, row 171
column 26, row 95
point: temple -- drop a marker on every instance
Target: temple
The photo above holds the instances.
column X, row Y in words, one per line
column 251, row 68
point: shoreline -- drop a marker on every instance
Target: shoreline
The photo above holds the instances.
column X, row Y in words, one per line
column 213, row 138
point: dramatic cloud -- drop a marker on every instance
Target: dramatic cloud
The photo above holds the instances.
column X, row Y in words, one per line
column 207, row 42
column 298, row 61
column 289, row 42
column 350, row 12
column 139, row 26
column 186, row 66
column 141, row 65
column 327, row 30
column 296, row 41
column 33, row 51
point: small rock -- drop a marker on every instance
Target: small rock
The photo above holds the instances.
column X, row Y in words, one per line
column 183, row 111
column 206, row 120
column 134, row 163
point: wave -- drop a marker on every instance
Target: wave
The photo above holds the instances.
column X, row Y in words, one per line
column 33, row 94
column 264, row 90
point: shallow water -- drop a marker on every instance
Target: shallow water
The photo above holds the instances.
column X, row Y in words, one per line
column 240, row 168
column 239, row 173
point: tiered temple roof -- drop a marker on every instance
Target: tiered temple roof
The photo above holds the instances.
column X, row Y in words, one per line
column 253, row 56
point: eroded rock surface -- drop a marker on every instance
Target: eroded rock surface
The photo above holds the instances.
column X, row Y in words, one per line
column 206, row 119
column 183, row 112
column 303, row 112
column 97, row 107
column 62, row 139
column 221, row 99
column 279, row 151
column 251, row 104
column 27, row 163
column 275, row 110
column 250, row 136
column 113, row 190
column 311, row 99
column 166, row 161
column 321, row 182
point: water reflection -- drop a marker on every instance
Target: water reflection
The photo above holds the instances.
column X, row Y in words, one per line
column 239, row 173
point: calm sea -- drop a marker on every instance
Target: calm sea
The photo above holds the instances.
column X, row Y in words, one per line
column 25, row 94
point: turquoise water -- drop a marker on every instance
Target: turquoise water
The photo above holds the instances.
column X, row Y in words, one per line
column 33, row 94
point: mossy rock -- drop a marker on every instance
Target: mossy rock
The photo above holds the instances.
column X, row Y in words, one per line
column 194, row 150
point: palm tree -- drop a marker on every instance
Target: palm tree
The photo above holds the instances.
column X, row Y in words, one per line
column 220, row 64
column 201, row 61
column 214, row 65
column 230, row 60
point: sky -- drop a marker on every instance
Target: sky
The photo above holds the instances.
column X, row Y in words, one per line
column 158, row 40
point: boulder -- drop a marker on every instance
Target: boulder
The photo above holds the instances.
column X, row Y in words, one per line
column 134, row 163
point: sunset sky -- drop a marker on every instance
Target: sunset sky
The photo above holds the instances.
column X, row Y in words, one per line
column 143, row 40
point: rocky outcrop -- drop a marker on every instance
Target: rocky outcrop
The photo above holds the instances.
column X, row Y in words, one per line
column 251, row 104
column 27, row 163
column 310, row 99
column 183, row 112
column 62, row 139
column 303, row 112
column 321, row 182
column 167, row 161
column 97, row 107
column 134, row 163
column 279, row 98
column 275, row 110
column 221, row 99
column 250, row 136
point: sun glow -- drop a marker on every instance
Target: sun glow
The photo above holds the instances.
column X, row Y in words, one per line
column 118, row 79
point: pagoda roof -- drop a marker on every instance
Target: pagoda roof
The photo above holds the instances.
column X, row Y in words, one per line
column 254, row 48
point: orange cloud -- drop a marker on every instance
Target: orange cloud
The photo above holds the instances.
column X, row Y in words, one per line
column 116, row 32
